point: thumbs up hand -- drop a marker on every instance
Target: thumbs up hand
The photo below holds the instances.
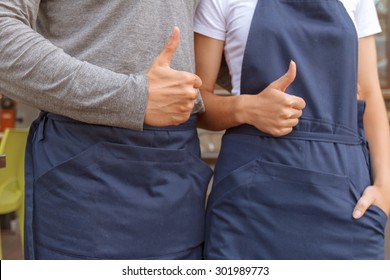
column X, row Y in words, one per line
column 286, row 80
column 273, row 111
column 171, row 93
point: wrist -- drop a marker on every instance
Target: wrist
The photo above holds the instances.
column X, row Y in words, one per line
column 240, row 109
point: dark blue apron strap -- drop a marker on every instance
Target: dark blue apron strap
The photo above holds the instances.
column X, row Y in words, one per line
column 300, row 135
column 366, row 148
column 36, row 130
column 190, row 124
column 361, row 107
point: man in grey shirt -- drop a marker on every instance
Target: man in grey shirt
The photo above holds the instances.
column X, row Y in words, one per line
column 112, row 162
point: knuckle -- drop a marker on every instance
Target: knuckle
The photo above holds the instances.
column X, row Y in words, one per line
column 186, row 107
column 188, row 78
column 286, row 98
column 287, row 131
column 285, row 113
column 189, row 106
column 276, row 132
column 183, row 118
column 273, row 132
column 177, row 121
column 194, row 94
column 190, row 93
column 363, row 204
column 286, row 102
column 290, row 102
column 181, row 77
column 169, row 47
column 180, row 118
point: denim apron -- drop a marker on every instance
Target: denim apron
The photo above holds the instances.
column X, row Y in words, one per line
column 98, row 192
column 292, row 197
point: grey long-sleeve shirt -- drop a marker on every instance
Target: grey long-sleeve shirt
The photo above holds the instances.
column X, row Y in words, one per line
column 87, row 59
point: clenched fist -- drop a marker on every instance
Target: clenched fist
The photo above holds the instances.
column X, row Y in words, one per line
column 171, row 93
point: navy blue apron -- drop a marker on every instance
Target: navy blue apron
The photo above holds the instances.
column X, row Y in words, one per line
column 97, row 192
column 292, row 197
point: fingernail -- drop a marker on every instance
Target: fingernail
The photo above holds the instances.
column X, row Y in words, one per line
column 290, row 65
column 357, row 214
column 173, row 31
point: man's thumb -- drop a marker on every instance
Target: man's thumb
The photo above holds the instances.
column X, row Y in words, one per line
column 167, row 53
column 283, row 82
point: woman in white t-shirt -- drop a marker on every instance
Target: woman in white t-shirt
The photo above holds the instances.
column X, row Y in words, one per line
column 294, row 178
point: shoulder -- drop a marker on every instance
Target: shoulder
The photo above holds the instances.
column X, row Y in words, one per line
column 212, row 7
column 360, row 8
column 220, row 16
column 210, row 18
column 223, row 7
column 364, row 16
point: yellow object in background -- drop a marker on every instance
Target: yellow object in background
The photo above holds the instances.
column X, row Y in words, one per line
column 13, row 145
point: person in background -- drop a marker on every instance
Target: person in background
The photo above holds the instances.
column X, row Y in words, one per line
column 308, row 188
column 112, row 163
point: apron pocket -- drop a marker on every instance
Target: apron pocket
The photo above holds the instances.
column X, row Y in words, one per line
column 370, row 228
column 282, row 212
column 115, row 201
column 369, row 234
column 378, row 216
column 238, row 177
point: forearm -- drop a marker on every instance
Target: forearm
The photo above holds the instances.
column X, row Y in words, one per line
column 34, row 71
column 375, row 117
column 378, row 136
column 272, row 111
column 222, row 112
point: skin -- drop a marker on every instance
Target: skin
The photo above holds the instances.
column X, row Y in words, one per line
column 377, row 130
column 276, row 112
column 171, row 93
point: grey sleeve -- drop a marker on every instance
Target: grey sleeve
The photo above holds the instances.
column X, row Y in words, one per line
column 35, row 72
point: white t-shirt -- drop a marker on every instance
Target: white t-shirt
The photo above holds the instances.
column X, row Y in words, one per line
column 230, row 20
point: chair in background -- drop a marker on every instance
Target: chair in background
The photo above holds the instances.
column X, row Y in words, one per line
column 13, row 145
